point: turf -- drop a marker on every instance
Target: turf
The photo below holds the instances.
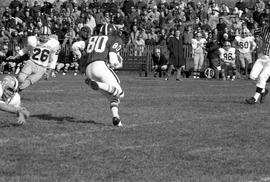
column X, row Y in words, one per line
column 192, row 130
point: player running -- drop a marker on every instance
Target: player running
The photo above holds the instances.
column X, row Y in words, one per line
column 43, row 53
column 227, row 57
column 261, row 68
column 10, row 100
column 102, row 56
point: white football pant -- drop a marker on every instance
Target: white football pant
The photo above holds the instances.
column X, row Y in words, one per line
column 261, row 71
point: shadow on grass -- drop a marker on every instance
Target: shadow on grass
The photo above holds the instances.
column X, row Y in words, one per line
column 7, row 125
column 62, row 119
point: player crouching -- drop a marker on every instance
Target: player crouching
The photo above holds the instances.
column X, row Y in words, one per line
column 10, row 100
column 227, row 57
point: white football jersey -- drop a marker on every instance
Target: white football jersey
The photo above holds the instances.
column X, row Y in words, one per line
column 227, row 55
column 198, row 45
column 246, row 44
column 41, row 53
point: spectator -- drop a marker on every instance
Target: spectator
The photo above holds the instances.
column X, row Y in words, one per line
column 34, row 11
column 212, row 48
column 176, row 55
column 127, row 6
column 162, row 37
column 152, row 38
column 241, row 5
column 160, row 63
column 112, row 7
column 154, row 16
column 14, row 4
column 141, row 5
column 139, row 45
column 95, row 4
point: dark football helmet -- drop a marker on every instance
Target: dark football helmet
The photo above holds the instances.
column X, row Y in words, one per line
column 108, row 29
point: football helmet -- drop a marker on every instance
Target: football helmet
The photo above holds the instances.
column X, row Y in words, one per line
column 108, row 29
column 10, row 82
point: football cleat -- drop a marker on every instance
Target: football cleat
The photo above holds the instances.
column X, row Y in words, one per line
column 251, row 100
column 263, row 95
column 92, row 84
column 117, row 122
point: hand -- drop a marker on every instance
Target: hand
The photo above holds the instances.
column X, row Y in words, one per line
column 11, row 58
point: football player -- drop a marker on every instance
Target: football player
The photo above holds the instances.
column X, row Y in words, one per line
column 10, row 100
column 43, row 50
column 102, row 56
column 246, row 45
column 261, row 68
column 227, row 57
column 198, row 52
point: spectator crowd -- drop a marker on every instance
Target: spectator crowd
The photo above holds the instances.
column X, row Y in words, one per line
column 140, row 23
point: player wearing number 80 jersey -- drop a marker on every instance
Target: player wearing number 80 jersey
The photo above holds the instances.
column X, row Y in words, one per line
column 42, row 51
column 102, row 56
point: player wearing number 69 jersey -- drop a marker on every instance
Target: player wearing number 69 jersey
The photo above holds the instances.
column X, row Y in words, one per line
column 42, row 51
column 227, row 56
column 100, row 55
column 246, row 45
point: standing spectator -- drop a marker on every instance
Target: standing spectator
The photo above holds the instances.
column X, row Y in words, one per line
column 133, row 35
column 176, row 55
column 198, row 46
column 139, row 45
column 162, row 37
column 212, row 48
column 160, row 63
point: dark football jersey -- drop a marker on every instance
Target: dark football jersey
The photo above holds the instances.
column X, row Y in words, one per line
column 98, row 47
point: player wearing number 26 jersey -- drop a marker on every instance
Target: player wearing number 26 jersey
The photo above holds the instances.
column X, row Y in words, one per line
column 102, row 56
column 42, row 51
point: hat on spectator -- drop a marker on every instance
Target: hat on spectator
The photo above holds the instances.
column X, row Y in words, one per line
column 155, row 7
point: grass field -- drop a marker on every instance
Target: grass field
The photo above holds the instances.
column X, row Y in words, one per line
column 194, row 130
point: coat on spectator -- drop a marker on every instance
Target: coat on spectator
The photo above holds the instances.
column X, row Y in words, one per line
column 176, row 51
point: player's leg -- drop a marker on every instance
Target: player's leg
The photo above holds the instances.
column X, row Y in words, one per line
column 201, row 62
column 23, row 76
column 263, row 77
column 254, row 75
column 196, row 66
column 67, row 65
column 102, row 78
column 233, row 68
column 37, row 74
